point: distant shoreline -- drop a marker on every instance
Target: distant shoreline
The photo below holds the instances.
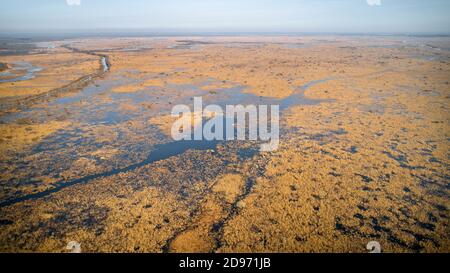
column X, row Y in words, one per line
column 57, row 35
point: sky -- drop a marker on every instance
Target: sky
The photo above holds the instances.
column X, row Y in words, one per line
column 284, row 16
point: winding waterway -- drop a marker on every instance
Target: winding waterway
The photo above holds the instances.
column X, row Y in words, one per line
column 167, row 150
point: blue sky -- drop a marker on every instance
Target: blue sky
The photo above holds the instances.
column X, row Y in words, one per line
column 412, row 16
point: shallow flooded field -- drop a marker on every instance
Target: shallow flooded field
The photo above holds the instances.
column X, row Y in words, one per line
column 86, row 153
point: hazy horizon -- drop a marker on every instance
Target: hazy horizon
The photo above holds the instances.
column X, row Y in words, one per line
column 219, row 16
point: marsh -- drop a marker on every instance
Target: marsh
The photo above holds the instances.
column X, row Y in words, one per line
column 362, row 152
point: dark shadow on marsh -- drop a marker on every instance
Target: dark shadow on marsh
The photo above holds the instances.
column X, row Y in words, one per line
column 160, row 152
